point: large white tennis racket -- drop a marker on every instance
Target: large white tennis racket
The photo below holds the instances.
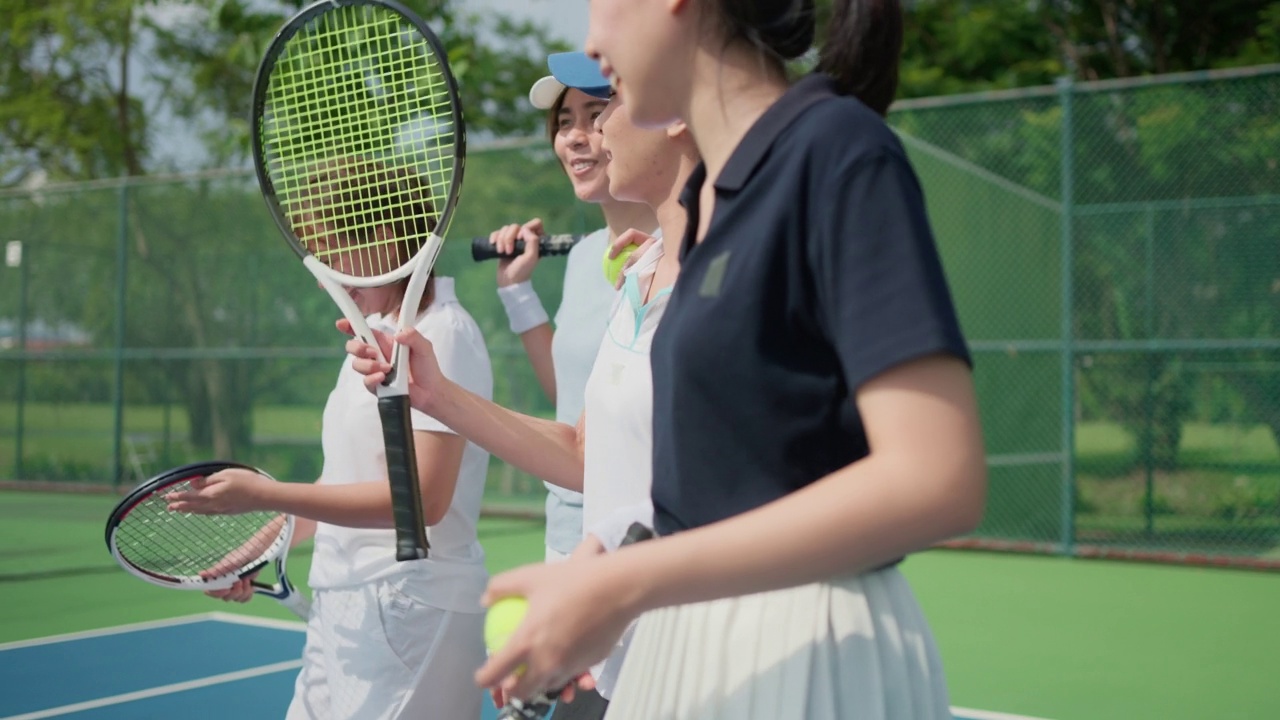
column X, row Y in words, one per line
column 359, row 147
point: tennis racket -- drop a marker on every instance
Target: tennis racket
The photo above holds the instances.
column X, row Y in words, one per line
column 482, row 249
column 200, row 552
column 537, row 707
column 359, row 147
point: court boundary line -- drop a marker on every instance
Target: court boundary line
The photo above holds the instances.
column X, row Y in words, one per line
column 968, row 714
column 101, row 632
column 215, row 616
column 169, row 689
column 272, row 623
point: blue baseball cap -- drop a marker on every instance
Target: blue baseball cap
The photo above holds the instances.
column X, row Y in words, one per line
column 568, row 70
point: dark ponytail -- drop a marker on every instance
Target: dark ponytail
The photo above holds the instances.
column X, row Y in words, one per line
column 862, row 50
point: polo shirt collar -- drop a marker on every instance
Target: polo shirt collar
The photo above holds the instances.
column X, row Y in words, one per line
column 443, row 291
column 810, row 89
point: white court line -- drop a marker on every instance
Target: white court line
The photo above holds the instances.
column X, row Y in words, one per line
column 162, row 690
column 294, row 625
column 115, row 630
column 968, row 713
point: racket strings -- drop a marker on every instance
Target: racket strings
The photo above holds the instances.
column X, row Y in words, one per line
column 359, row 137
column 184, row 546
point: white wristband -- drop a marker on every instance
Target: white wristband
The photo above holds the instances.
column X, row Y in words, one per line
column 524, row 309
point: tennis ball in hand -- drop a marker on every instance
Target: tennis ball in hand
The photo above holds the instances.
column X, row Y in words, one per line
column 613, row 266
column 503, row 618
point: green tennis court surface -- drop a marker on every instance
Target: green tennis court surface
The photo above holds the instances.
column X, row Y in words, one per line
column 1042, row 637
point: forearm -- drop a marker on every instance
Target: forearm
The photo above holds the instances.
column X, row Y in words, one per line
column 537, row 345
column 358, row 505
column 852, row 521
column 304, row 528
column 530, row 321
column 546, row 449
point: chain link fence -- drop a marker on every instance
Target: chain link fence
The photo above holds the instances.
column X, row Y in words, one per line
column 1115, row 253
column 1113, row 248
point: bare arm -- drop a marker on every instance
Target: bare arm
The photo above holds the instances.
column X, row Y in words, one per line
column 368, row 504
column 362, row 504
column 304, row 529
column 547, row 449
column 924, row 481
column 524, row 310
column 537, row 345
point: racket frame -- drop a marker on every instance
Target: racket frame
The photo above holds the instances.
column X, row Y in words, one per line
column 276, row 553
column 393, row 393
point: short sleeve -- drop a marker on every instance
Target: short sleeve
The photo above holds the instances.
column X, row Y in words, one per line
column 463, row 358
column 881, row 293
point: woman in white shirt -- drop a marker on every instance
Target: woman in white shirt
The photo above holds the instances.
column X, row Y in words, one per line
column 385, row 639
column 574, row 95
column 609, row 458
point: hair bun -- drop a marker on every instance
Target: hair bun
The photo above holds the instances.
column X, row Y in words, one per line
column 784, row 28
column 791, row 31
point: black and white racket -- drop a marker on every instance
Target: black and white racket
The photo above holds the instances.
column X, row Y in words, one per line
column 482, row 249
column 200, row 552
column 359, row 147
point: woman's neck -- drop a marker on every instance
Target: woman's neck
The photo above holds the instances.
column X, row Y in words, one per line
column 731, row 90
column 672, row 217
column 621, row 216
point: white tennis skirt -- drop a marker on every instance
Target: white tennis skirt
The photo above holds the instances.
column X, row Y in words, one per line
column 855, row 648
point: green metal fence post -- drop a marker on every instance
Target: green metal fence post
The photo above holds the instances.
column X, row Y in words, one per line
column 1065, row 92
column 122, row 259
column 24, row 259
column 1149, row 400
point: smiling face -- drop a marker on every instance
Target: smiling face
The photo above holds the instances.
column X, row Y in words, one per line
column 646, row 48
column 577, row 144
column 641, row 161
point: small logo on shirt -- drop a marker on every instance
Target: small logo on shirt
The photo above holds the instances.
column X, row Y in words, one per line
column 714, row 278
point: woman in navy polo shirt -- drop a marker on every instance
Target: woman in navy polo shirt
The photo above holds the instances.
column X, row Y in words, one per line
column 814, row 414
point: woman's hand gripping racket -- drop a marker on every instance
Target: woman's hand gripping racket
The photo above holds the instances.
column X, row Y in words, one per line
column 200, row 552
column 359, row 147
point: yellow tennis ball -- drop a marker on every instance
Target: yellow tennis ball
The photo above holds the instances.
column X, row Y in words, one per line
column 503, row 618
column 613, row 266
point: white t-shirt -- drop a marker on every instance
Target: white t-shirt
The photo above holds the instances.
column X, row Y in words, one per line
column 618, row 458
column 618, row 462
column 579, row 325
column 354, row 452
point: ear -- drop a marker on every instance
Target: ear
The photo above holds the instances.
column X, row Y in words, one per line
column 675, row 7
column 677, row 129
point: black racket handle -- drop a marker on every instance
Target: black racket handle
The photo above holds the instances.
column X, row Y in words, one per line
column 402, row 473
column 482, row 249
column 537, row 707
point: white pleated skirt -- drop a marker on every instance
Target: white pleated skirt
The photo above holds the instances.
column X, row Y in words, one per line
column 855, row 648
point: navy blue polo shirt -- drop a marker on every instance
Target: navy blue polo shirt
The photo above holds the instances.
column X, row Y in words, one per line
column 818, row 272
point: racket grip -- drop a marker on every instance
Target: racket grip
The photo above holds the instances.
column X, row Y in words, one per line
column 482, row 249
column 402, row 474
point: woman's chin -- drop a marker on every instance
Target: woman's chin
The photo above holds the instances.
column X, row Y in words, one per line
column 592, row 190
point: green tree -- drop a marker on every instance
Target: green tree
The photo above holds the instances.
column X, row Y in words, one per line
column 73, row 108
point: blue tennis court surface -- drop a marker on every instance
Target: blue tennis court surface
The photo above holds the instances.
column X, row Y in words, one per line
column 202, row 667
